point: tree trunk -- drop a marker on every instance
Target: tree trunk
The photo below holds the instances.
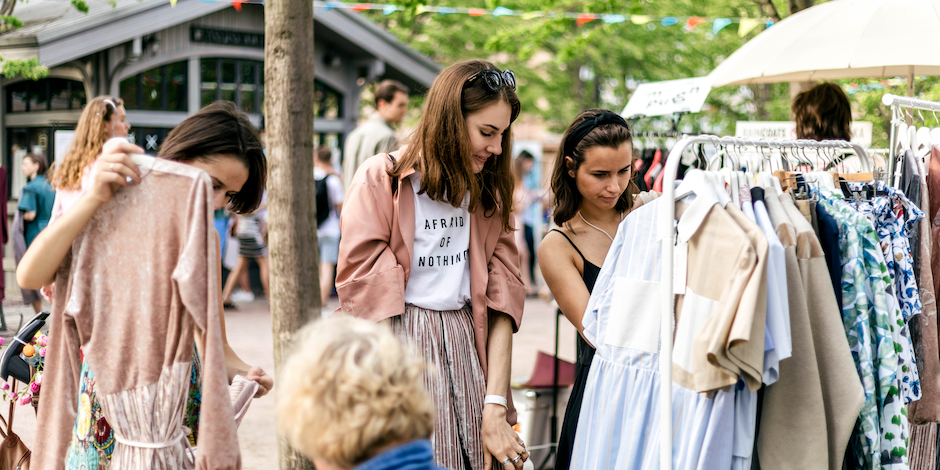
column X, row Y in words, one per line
column 288, row 104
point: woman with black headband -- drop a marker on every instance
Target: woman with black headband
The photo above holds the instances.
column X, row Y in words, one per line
column 428, row 245
column 592, row 192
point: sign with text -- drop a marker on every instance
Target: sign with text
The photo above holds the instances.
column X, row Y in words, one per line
column 786, row 130
column 673, row 96
column 226, row 37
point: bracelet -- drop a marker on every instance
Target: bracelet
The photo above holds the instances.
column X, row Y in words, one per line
column 497, row 400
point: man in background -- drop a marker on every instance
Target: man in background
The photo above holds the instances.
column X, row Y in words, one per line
column 376, row 135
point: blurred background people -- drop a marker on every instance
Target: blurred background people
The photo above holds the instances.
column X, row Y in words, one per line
column 34, row 213
column 352, row 397
column 823, row 113
column 330, row 196
column 376, row 135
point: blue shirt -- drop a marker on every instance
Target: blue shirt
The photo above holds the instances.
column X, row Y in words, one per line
column 415, row 455
column 38, row 197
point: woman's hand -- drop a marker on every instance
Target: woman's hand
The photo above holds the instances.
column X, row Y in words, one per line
column 114, row 169
column 265, row 382
column 502, row 447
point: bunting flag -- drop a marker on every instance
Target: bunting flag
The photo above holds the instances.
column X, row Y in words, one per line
column 694, row 21
column 720, row 24
column 748, row 25
column 745, row 25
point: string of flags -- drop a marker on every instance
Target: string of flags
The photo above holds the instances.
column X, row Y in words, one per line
column 690, row 23
column 875, row 85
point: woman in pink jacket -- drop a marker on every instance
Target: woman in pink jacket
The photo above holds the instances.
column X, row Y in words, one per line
column 428, row 244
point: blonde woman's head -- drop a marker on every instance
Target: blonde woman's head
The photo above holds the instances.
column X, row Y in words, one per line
column 349, row 390
column 103, row 117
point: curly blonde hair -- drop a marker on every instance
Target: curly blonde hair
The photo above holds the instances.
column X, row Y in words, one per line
column 349, row 389
column 90, row 136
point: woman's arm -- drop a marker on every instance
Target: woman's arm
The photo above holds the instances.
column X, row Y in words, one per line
column 500, row 442
column 45, row 254
column 557, row 262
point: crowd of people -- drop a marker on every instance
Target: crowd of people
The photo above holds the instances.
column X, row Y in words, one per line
column 430, row 247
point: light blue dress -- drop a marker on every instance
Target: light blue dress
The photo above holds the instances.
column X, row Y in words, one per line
column 619, row 422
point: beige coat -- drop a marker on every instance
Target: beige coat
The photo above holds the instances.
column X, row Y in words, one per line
column 377, row 248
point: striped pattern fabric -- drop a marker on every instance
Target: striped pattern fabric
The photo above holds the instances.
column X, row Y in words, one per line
column 148, row 422
column 457, row 386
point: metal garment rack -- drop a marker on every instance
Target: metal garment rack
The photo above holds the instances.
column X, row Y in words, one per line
column 897, row 103
column 667, row 221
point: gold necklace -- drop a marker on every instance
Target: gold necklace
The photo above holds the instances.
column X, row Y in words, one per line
column 598, row 228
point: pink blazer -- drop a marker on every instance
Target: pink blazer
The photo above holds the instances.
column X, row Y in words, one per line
column 377, row 247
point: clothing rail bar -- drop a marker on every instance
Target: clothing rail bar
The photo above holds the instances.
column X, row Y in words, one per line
column 912, row 103
column 896, row 103
column 667, row 221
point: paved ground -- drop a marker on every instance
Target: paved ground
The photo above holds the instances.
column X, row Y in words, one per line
column 249, row 333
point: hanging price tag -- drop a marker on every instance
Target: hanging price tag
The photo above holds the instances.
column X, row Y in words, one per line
column 680, row 267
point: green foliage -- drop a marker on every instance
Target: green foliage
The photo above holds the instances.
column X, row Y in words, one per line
column 27, row 68
column 8, row 23
column 80, row 5
column 563, row 68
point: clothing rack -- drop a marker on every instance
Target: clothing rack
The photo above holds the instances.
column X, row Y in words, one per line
column 897, row 103
column 667, row 221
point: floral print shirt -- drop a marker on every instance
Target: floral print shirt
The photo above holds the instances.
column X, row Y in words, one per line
column 873, row 331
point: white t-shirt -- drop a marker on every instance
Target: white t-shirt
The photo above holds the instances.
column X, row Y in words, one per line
column 334, row 189
column 440, row 270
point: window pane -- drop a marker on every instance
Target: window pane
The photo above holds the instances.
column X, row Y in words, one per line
column 38, row 96
column 228, row 70
column 128, row 92
column 208, row 70
column 58, row 94
column 248, row 101
column 248, row 72
column 151, row 83
column 208, row 96
column 78, row 95
column 228, row 95
column 176, row 87
column 17, row 100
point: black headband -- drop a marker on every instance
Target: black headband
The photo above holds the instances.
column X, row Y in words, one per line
column 588, row 125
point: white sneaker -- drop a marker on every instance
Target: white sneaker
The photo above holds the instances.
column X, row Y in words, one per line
column 242, row 296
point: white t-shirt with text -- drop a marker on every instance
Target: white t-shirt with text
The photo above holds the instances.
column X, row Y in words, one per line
column 440, row 270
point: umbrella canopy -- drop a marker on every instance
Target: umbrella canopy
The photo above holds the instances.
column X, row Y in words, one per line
column 841, row 39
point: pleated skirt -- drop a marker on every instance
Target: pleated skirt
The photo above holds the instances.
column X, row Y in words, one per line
column 445, row 339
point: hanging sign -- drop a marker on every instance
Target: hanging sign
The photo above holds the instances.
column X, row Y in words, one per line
column 674, row 96
column 226, row 37
column 786, row 130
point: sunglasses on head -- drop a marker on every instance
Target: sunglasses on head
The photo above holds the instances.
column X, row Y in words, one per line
column 494, row 79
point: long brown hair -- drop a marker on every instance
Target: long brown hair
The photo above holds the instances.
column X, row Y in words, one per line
column 440, row 147
column 566, row 197
column 90, row 136
column 220, row 129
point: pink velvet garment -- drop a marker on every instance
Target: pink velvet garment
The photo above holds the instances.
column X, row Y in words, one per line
column 141, row 277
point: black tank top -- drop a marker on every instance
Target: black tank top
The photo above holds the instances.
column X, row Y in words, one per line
column 589, row 275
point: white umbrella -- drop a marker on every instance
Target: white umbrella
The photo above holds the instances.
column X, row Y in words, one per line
column 841, row 39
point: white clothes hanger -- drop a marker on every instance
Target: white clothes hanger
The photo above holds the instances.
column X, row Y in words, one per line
column 143, row 161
